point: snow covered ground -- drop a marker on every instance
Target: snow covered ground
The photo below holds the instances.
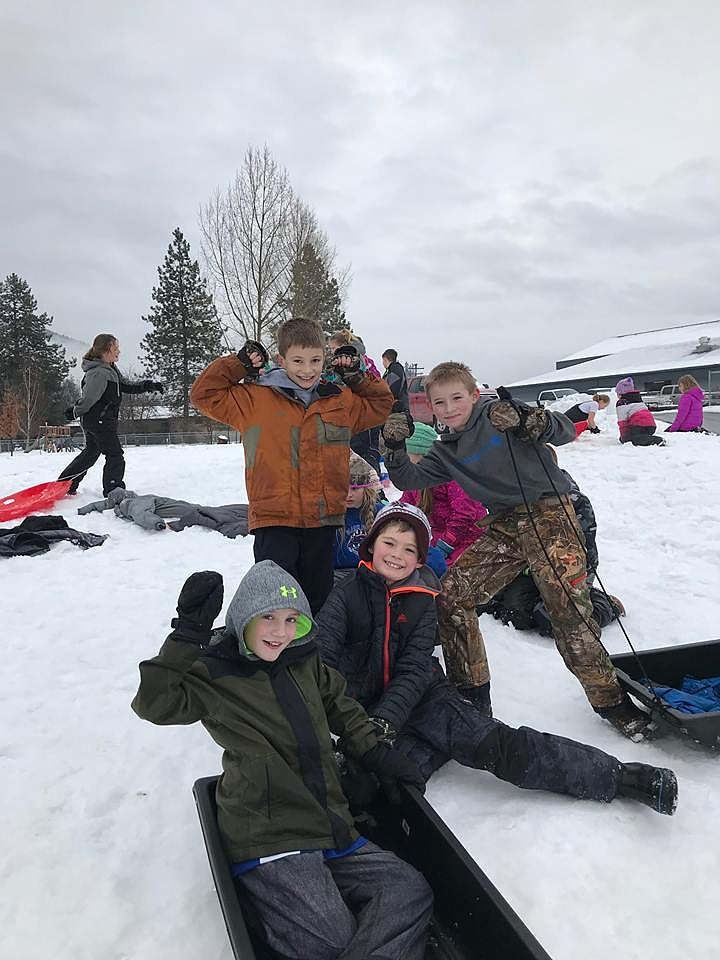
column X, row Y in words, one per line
column 102, row 856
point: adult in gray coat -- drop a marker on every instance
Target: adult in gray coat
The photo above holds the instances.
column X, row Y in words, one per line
column 98, row 409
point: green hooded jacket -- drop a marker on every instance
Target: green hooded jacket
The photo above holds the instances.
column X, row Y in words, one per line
column 280, row 787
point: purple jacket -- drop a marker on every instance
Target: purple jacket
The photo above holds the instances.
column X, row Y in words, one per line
column 454, row 516
column 690, row 411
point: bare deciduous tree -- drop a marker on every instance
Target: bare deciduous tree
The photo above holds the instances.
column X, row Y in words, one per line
column 10, row 417
column 32, row 397
column 253, row 234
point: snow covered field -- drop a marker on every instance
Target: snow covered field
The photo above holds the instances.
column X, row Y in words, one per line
column 102, row 856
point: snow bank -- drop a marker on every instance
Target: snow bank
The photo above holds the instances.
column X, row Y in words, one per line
column 102, row 852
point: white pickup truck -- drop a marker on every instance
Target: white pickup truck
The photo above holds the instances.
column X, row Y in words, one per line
column 669, row 395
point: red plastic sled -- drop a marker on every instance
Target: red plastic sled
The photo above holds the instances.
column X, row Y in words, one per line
column 35, row 498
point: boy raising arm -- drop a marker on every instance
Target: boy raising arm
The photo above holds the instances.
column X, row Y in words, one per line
column 296, row 431
column 487, row 441
column 262, row 693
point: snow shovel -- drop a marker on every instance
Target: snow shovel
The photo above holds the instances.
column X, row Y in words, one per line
column 36, row 498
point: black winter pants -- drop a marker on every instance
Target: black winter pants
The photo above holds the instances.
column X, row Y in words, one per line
column 367, row 446
column 99, row 440
column 307, row 553
column 644, row 437
column 445, row 727
column 369, row 905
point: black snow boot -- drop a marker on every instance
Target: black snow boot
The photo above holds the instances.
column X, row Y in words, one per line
column 656, row 787
column 479, row 697
column 628, row 719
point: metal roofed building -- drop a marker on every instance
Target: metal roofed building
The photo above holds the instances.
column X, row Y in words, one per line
column 652, row 358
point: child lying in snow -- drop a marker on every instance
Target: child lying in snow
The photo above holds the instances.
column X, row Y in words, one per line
column 264, row 695
column 378, row 629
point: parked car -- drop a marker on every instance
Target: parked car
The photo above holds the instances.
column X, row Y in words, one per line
column 546, row 397
column 420, row 408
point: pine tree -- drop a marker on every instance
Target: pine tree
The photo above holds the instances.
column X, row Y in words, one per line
column 186, row 333
column 31, row 367
column 314, row 293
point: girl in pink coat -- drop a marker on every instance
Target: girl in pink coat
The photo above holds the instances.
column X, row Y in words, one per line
column 690, row 407
column 452, row 514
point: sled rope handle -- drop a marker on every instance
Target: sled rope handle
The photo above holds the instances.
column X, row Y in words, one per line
column 573, row 522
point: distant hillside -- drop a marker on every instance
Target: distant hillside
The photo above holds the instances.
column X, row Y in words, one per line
column 73, row 349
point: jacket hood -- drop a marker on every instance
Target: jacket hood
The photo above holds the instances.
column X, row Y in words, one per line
column 94, row 364
column 264, row 588
column 696, row 392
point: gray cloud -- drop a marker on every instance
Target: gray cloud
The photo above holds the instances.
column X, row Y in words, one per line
column 509, row 182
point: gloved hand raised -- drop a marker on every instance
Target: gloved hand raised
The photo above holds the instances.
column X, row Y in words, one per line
column 153, row 386
column 346, row 364
column 391, row 768
column 396, row 429
column 253, row 356
column 198, row 605
column 526, row 422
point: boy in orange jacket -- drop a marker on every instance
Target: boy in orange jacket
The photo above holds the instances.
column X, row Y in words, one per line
column 296, row 431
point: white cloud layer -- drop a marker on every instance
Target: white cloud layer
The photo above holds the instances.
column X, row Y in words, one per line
column 508, row 181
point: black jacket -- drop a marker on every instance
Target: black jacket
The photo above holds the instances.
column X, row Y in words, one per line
column 397, row 381
column 381, row 640
column 102, row 389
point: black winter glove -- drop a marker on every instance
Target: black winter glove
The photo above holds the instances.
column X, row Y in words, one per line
column 396, row 429
column 198, row 605
column 386, row 732
column 346, row 364
column 69, row 413
column 153, row 386
column 593, row 429
column 391, row 768
column 252, row 367
column 506, row 414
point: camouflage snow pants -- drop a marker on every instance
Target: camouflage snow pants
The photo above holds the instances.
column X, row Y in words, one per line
column 509, row 546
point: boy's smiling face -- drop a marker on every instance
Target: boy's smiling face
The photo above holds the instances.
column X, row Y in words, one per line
column 271, row 633
column 395, row 553
column 304, row 365
column 452, row 402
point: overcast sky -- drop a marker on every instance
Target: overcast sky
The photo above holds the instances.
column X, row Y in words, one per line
column 509, row 181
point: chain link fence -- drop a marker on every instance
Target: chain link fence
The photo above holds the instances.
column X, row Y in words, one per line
column 77, row 441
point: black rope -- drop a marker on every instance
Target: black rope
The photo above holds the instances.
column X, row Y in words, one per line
column 573, row 521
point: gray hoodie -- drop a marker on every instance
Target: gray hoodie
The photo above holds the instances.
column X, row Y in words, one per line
column 278, row 378
column 264, row 588
column 98, row 375
column 477, row 458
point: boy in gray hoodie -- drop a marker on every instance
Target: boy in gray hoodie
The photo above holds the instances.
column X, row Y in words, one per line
column 261, row 690
column 487, row 446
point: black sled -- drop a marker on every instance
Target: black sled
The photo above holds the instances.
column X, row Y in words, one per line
column 668, row 666
column 471, row 920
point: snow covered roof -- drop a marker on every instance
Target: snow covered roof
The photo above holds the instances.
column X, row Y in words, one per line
column 669, row 349
column 648, row 338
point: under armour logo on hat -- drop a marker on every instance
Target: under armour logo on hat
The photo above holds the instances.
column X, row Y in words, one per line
column 288, row 592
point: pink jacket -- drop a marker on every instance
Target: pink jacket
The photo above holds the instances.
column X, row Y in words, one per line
column 632, row 412
column 690, row 411
column 453, row 518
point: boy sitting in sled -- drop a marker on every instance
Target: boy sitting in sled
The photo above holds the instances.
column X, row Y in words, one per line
column 378, row 629
column 262, row 692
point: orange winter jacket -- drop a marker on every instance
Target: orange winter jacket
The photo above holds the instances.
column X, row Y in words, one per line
column 296, row 459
